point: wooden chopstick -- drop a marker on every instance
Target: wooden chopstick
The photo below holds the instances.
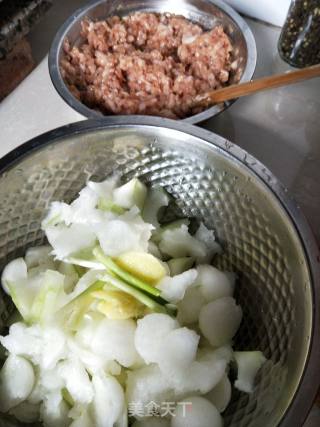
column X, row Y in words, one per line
column 254, row 86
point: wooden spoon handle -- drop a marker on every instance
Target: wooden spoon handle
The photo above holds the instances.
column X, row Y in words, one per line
column 265, row 83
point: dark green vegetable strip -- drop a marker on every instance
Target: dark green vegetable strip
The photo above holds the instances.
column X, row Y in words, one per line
column 129, row 278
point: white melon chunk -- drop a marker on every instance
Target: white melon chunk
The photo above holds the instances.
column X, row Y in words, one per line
column 173, row 288
column 150, row 332
column 204, row 373
column 133, row 193
column 69, row 240
column 219, row 320
column 77, row 380
column 207, row 237
column 39, row 256
column 179, row 351
column 156, row 199
column 179, row 243
column 196, row 411
column 108, row 402
column 220, row 395
column 54, row 410
column 16, row 382
column 249, row 363
column 148, row 384
column 214, row 283
column 14, row 271
column 114, row 339
column 189, row 307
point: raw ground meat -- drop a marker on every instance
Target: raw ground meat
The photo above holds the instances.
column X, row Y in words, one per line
column 146, row 63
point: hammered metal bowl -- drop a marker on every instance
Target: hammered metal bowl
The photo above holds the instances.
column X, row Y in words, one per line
column 264, row 237
column 207, row 13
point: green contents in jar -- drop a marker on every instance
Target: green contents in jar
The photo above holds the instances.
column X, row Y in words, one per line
column 299, row 42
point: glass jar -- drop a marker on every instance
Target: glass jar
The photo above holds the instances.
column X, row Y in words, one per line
column 299, row 42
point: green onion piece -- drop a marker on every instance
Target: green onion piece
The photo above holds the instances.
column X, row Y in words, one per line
column 129, row 278
column 140, row 296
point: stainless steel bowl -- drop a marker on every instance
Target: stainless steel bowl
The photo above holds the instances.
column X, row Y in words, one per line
column 264, row 236
column 208, row 13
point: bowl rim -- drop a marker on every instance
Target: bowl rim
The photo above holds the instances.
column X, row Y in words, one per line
column 308, row 386
column 66, row 95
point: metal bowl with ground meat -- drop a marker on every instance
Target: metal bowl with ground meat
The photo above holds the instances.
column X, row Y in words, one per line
column 150, row 57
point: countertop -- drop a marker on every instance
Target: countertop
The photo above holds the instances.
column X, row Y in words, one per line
column 280, row 127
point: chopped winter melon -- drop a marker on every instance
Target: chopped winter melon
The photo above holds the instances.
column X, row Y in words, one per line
column 179, row 243
column 207, row 237
column 143, row 265
column 196, row 411
column 219, row 320
column 179, row 265
column 117, row 304
column 77, row 380
column 54, row 410
column 122, row 235
column 174, row 225
column 105, row 188
column 87, row 327
column 150, row 332
column 43, row 346
column 214, row 283
column 59, row 212
column 173, row 288
column 204, row 373
column 69, row 240
column 14, row 271
column 93, row 363
column 114, row 339
column 108, row 402
column 23, row 293
column 71, row 276
column 189, row 307
column 39, row 256
column 249, row 363
column 16, row 382
column 81, row 300
column 148, row 384
column 220, row 395
column 46, row 301
column 96, row 348
column 83, row 208
column 179, row 349
column 156, row 199
column 133, row 193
